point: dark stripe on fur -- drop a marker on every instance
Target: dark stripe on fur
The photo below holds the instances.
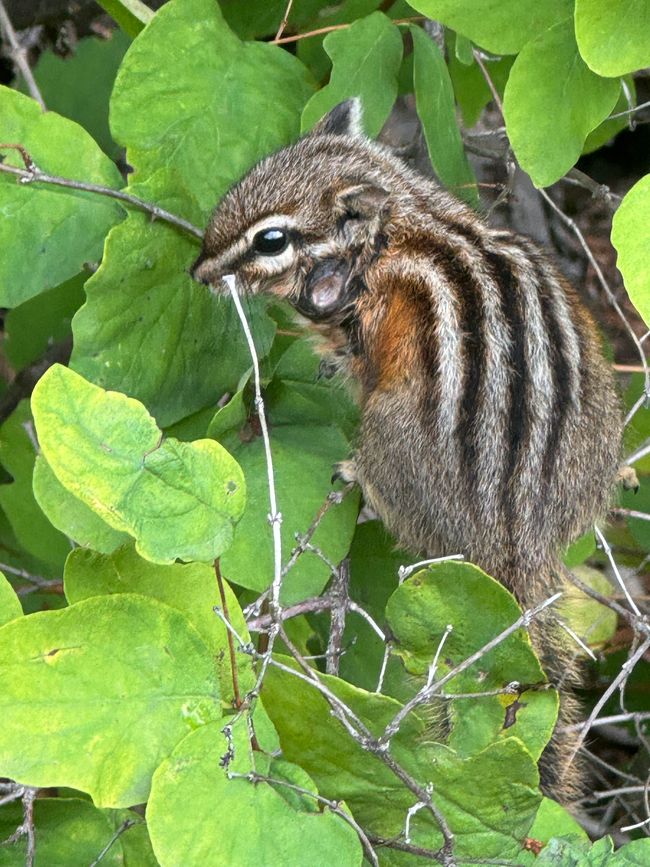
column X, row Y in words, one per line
column 511, row 306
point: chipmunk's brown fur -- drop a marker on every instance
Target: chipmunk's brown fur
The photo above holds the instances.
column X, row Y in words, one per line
column 491, row 424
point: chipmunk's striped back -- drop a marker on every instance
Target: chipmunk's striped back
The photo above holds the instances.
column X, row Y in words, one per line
column 490, row 422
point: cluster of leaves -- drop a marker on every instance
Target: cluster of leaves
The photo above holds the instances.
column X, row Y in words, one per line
column 128, row 475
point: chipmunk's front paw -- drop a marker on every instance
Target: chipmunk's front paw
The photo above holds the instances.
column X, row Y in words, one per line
column 628, row 478
column 346, row 472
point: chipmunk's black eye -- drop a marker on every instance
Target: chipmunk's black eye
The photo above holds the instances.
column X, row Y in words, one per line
column 270, row 242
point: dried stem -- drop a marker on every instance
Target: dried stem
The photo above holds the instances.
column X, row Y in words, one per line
column 19, row 57
column 32, row 174
column 322, row 30
column 340, row 601
column 284, row 21
column 229, row 634
column 429, row 690
column 618, row 683
column 126, row 824
column 274, row 517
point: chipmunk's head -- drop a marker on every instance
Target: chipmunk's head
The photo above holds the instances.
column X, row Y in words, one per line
column 303, row 222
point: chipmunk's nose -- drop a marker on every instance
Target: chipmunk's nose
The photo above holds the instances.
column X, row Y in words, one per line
column 200, row 270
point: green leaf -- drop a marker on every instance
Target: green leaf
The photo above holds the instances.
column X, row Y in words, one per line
column 552, row 820
column 614, row 35
column 593, row 622
column 142, row 306
column 297, row 395
column 79, row 86
column 281, row 826
column 489, row 820
column 69, row 832
column 215, row 106
column 576, row 852
column 451, row 593
column 366, row 59
column 610, row 128
column 501, row 26
column 470, row 87
column 108, row 686
column 580, row 550
column 302, row 461
column 190, row 588
column 32, row 529
column 434, row 96
column 312, row 51
column 177, row 500
column 131, row 15
column 552, row 102
column 374, row 566
column 10, row 607
column 630, row 236
column 33, row 327
column 48, row 232
column 70, row 515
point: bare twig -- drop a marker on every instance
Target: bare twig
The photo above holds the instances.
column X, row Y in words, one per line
column 32, row 174
column 629, row 111
column 340, row 601
column 322, row 30
column 126, row 824
column 334, row 498
column 405, row 572
column 284, row 21
column 618, row 682
column 19, row 57
column 602, row 542
column 429, row 690
column 26, row 827
column 614, row 719
column 274, row 517
column 488, row 80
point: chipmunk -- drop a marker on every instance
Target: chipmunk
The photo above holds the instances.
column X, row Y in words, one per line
column 491, row 425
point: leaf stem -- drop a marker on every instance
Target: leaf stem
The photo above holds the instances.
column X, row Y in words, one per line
column 231, row 643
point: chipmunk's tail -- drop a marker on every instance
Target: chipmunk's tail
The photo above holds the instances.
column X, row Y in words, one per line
column 562, row 768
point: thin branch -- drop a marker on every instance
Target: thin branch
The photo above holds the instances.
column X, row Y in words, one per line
column 126, row 824
column 340, row 599
column 274, row 517
column 254, row 777
column 32, row 174
column 334, row 498
column 322, row 30
column 629, row 111
column 600, row 192
column 618, row 682
column 614, row 719
column 284, row 21
column 429, row 690
column 602, row 541
column 309, row 606
column 405, row 572
column 19, row 57
column 488, row 80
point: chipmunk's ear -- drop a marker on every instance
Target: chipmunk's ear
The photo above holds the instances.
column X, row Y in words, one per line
column 363, row 201
column 344, row 119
